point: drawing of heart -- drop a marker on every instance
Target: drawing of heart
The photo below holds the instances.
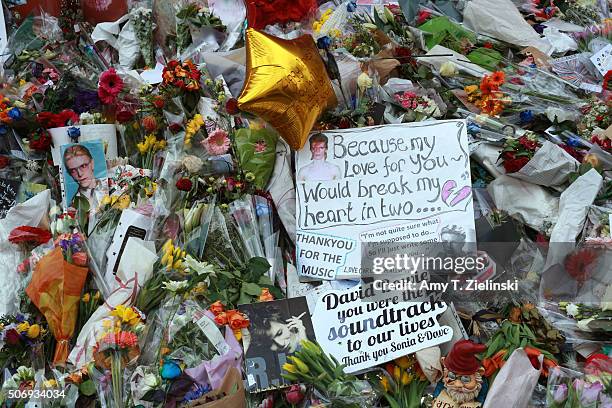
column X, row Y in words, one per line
column 448, row 191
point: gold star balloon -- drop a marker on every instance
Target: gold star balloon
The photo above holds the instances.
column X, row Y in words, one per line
column 286, row 84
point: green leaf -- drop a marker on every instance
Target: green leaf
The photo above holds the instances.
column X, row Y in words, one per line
column 244, row 299
column 87, row 388
column 258, row 265
column 252, row 289
column 265, row 280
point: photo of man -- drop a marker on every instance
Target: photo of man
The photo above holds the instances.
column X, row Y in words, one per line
column 319, row 169
column 84, row 170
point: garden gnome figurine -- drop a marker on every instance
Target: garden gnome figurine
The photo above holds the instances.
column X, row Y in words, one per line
column 462, row 384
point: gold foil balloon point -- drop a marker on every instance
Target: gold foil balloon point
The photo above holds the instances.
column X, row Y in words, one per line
column 286, row 84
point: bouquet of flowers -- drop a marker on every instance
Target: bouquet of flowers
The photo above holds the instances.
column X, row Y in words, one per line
column 517, row 152
column 117, row 348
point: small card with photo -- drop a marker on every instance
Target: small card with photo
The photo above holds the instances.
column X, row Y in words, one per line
column 84, row 174
column 276, row 330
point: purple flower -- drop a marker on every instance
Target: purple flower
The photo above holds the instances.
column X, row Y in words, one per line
column 85, row 100
column 590, row 393
column 560, row 393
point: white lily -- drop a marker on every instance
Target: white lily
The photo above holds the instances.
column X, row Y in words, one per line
column 175, row 286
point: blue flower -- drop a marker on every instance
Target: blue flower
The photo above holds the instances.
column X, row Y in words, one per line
column 324, row 42
column 197, row 392
column 170, row 370
column 574, row 141
column 526, row 116
column 473, row 128
column 15, row 114
column 3, row 129
column 74, row 133
column 352, row 6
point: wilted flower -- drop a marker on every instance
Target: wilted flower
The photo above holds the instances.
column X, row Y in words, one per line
column 193, row 164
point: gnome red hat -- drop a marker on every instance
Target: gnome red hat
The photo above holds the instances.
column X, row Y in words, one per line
column 460, row 360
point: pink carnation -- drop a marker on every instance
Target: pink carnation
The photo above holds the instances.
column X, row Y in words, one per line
column 217, row 142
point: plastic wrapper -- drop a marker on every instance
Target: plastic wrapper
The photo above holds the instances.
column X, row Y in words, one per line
column 570, row 389
column 551, row 166
column 243, row 212
column 55, row 289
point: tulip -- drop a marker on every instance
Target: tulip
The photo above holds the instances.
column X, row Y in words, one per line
column 590, row 393
column 560, row 393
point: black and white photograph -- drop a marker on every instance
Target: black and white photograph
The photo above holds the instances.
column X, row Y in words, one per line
column 276, row 328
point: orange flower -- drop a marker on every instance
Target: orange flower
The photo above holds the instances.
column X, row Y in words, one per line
column 498, row 78
column 515, row 314
column 265, row 296
column 486, row 86
column 168, row 76
column 237, row 320
column 221, row 319
column 492, row 364
column 217, row 308
column 180, row 72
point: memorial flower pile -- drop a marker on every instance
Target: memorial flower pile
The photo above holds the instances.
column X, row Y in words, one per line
column 218, row 204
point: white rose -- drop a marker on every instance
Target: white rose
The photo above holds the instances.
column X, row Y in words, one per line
column 364, row 81
column 448, row 69
column 149, row 382
column 572, row 310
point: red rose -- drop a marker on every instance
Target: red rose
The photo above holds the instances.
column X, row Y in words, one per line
column 29, row 234
column 175, row 127
column 45, row 119
column 159, row 102
column 294, row 395
column 12, row 337
column 184, row 184
column 41, row 142
column 514, row 165
column 68, row 116
column 124, row 114
column 527, row 143
column 4, row 161
column 231, row 106
column 423, row 16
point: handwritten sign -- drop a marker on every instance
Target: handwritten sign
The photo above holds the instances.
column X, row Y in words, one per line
column 8, row 195
column 363, row 328
column 402, row 183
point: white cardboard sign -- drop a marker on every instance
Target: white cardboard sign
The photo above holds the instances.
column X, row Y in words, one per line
column 362, row 328
column 394, row 183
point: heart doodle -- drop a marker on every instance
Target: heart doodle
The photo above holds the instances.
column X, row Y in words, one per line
column 448, row 192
